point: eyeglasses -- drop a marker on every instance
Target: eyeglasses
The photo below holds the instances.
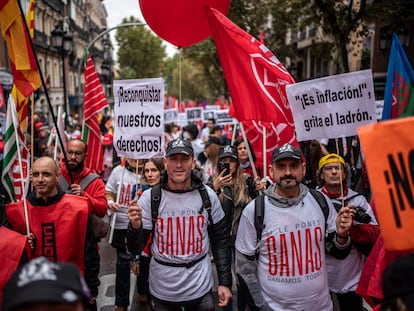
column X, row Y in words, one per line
column 330, row 168
column 76, row 153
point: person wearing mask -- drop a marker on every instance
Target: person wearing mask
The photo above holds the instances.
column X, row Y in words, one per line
column 190, row 132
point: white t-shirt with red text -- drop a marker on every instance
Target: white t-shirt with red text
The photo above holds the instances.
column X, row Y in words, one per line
column 291, row 268
column 180, row 237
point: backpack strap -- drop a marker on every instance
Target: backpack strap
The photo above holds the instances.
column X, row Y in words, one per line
column 206, row 202
column 259, row 209
column 155, row 204
column 156, row 200
column 83, row 184
column 320, row 198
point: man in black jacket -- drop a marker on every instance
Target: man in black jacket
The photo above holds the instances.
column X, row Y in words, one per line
column 60, row 227
column 180, row 270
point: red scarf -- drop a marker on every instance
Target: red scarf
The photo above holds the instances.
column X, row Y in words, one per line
column 333, row 195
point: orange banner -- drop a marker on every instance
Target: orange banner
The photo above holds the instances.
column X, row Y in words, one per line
column 389, row 153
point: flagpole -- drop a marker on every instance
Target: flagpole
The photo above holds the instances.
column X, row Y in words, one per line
column 264, row 150
column 42, row 79
column 32, row 136
column 118, row 195
column 249, row 152
column 12, row 106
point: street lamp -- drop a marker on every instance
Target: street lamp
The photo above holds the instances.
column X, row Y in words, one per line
column 62, row 41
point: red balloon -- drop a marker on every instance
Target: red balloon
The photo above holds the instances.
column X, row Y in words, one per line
column 180, row 22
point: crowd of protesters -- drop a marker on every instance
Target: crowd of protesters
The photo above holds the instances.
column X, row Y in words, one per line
column 307, row 252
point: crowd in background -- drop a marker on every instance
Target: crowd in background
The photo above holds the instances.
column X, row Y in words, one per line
column 224, row 165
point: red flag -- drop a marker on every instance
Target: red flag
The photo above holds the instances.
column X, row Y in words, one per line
column 255, row 77
column 94, row 101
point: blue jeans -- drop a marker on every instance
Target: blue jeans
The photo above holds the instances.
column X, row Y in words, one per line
column 122, row 280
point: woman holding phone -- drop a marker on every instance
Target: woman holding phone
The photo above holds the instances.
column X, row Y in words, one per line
column 235, row 190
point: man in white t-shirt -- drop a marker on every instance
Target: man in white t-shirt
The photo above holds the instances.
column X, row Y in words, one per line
column 285, row 269
column 344, row 275
column 181, row 276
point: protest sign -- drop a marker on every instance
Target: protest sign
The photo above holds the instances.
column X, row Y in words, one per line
column 139, row 118
column 209, row 114
column 223, row 117
column 194, row 114
column 170, row 115
column 389, row 156
column 332, row 106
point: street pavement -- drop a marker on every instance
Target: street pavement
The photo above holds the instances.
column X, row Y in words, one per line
column 106, row 296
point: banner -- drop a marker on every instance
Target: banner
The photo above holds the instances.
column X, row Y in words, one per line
column 332, row 106
column 389, row 155
column 170, row 115
column 194, row 114
column 139, row 118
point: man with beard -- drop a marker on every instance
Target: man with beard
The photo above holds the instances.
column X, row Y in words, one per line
column 283, row 268
column 60, row 227
column 72, row 175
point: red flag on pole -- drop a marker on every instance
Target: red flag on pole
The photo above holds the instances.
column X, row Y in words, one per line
column 255, row 77
column 257, row 83
column 94, row 101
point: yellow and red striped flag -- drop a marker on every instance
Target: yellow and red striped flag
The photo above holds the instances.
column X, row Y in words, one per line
column 94, row 101
column 23, row 64
column 30, row 18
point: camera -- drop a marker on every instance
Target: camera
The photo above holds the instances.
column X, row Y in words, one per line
column 361, row 216
column 224, row 166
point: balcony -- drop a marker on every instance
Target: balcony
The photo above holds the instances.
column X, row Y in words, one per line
column 40, row 39
column 56, row 5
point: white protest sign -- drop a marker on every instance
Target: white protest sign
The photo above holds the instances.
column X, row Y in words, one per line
column 223, row 117
column 182, row 119
column 139, row 118
column 333, row 106
column 209, row 114
column 170, row 115
column 194, row 114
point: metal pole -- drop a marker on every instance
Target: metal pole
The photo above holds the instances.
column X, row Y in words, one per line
column 81, row 61
column 65, row 101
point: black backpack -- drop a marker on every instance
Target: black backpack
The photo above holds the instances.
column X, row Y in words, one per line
column 259, row 211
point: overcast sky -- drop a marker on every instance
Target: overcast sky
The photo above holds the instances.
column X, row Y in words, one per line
column 120, row 9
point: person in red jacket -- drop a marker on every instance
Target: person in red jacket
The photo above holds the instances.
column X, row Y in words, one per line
column 73, row 174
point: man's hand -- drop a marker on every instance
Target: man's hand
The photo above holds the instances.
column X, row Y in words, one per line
column 224, row 295
column 76, row 189
column 31, row 239
column 344, row 220
column 134, row 214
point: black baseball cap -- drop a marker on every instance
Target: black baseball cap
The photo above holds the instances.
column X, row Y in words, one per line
column 228, row 151
column 43, row 281
column 179, row 145
column 398, row 280
column 286, row 151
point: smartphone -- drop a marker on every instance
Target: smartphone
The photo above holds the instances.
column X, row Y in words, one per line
column 224, row 166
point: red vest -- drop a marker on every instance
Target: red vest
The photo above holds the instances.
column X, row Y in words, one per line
column 12, row 245
column 60, row 228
